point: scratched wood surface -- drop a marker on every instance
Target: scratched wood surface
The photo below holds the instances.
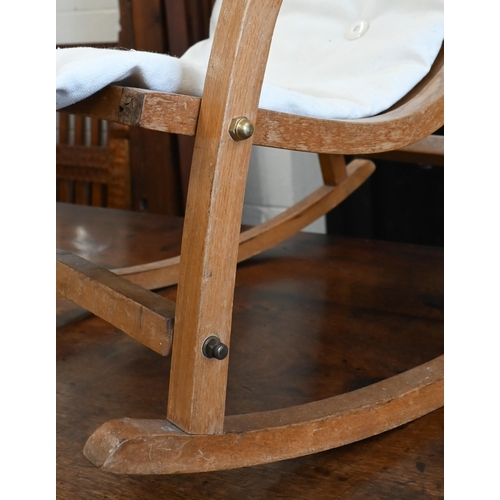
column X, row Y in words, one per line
column 350, row 313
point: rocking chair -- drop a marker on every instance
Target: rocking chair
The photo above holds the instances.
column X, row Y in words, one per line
column 196, row 435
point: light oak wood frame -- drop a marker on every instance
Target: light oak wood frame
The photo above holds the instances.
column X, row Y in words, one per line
column 196, row 436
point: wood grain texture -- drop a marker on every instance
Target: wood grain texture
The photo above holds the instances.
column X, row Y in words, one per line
column 92, row 164
column 131, row 446
column 379, row 298
column 106, row 237
column 407, row 122
column 252, row 241
column 164, row 27
column 198, row 386
column 140, row 313
column 153, row 158
column 119, row 185
column 213, row 213
column 159, row 274
column 79, row 156
column 104, row 105
column 333, row 169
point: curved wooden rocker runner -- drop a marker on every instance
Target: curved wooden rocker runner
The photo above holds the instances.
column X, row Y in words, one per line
column 196, row 436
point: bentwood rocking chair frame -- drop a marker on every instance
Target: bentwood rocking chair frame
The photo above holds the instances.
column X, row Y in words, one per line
column 196, row 435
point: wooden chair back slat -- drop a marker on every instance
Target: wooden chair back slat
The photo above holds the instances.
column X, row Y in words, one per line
column 79, row 130
column 97, row 195
column 63, row 136
column 64, row 191
column 92, row 162
column 94, row 132
column 81, row 193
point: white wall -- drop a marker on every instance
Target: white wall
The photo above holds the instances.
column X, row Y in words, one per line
column 277, row 179
column 87, row 21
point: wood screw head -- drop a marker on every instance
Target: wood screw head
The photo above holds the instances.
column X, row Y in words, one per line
column 241, row 128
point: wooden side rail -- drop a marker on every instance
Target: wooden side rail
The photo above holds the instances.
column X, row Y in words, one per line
column 142, row 314
column 160, row 274
column 134, row 446
column 428, row 151
column 388, row 131
column 179, row 115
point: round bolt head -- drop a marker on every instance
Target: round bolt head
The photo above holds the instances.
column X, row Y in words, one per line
column 220, row 351
column 214, row 348
column 241, row 128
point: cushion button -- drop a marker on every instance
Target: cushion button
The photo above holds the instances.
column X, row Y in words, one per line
column 356, row 30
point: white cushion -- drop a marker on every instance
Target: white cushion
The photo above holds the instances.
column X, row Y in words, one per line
column 317, row 66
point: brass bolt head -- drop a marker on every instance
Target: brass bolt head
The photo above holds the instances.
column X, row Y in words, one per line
column 241, row 128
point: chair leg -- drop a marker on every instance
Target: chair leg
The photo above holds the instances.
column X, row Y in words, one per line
column 333, row 169
column 207, row 271
column 209, row 249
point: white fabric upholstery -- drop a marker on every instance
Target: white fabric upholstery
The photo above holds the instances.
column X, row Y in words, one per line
column 315, row 68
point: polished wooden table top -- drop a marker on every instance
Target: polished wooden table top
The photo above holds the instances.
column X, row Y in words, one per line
column 314, row 317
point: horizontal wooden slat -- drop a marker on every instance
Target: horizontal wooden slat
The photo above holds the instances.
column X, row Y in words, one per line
column 142, row 314
column 83, row 163
column 104, row 104
column 178, row 114
column 83, row 156
column 405, row 123
column 86, row 174
column 173, row 113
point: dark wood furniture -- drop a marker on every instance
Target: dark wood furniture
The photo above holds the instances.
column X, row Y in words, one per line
column 161, row 163
column 150, row 171
column 370, row 302
column 201, row 432
column 92, row 162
